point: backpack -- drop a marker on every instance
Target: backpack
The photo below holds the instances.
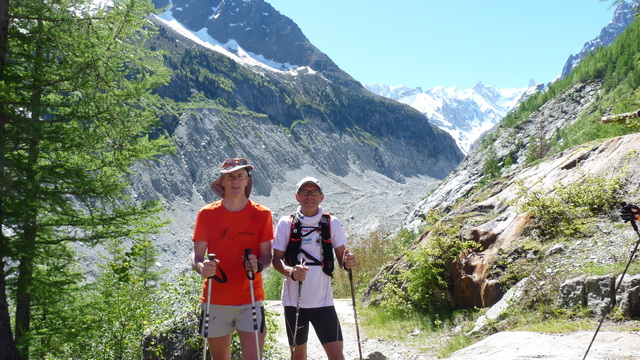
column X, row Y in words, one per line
column 295, row 240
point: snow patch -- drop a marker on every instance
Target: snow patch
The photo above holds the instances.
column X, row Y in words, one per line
column 231, row 48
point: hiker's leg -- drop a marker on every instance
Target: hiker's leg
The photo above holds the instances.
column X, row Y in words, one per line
column 220, row 330
column 334, row 350
column 248, row 344
column 246, row 326
column 301, row 352
column 327, row 326
column 220, row 347
column 301, row 334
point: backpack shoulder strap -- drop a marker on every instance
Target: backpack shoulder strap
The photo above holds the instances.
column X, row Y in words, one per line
column 295, row 240
column 327, row 244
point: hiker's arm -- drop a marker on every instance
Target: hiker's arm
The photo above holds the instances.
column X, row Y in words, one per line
column 201, row 265
column 279, row 265
column 346, row 260
column 265, row 254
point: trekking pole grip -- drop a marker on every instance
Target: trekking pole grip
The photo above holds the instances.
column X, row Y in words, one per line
column 250, row 273
column 221, row 280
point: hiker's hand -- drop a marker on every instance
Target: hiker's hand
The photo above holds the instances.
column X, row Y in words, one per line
column 299, row 273
column 629, row 211
column 251, row 264
column 349, row 260
column 209, row 267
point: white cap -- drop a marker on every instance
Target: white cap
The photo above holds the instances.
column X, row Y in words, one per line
column 306, row 180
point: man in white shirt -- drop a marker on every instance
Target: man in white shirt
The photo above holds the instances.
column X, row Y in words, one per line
column 300, row 237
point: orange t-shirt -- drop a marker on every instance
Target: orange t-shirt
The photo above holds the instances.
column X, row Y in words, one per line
column 227, row 235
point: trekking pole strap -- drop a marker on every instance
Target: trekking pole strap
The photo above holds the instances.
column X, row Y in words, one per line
column 222, row 280
column 250, row 274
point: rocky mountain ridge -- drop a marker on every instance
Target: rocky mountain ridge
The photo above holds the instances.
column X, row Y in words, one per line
column 561, row 111
column 311, row 119
column 623, row 15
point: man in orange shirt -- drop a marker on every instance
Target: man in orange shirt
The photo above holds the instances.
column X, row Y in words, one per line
column 226, row 228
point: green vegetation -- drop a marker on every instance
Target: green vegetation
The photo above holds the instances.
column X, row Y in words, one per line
column 372, row 254
column 491, row 168
column 421, row 285
column 564, row 210
column 76, row 114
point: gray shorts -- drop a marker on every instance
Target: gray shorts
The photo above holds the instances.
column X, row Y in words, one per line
column 223, row 319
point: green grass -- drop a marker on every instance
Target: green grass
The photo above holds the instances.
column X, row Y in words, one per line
column 557, row 325
column 419, row 330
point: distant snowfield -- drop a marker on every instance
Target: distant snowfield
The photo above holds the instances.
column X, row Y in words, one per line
column 231, row 49
column 465, row 114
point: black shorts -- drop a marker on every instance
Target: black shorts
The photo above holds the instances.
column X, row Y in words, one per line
column 324, row 321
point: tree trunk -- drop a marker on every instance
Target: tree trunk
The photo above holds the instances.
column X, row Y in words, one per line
column 8, row 349
column 30, row 229
column 4, row 31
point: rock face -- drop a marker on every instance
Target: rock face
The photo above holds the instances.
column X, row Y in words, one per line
column 471, row 287
column 172, row 341
column 470, row 284
column 598, row 292
column 560, row 111
column 493, row 221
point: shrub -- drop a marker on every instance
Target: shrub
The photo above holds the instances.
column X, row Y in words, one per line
column 563, row 210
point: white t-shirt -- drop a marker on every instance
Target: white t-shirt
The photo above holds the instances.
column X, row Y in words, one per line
column 316, row 288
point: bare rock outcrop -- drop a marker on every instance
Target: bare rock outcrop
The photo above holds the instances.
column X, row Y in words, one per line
column 470, row 285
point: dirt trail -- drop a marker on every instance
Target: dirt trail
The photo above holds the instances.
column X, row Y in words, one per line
column 344, row 308
column 501, row 346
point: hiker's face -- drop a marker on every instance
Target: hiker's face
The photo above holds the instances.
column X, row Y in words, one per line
column 235, row 182
column 309, row 196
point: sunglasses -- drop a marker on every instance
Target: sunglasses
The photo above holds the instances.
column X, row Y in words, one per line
column 232, row 162
column 309, row 193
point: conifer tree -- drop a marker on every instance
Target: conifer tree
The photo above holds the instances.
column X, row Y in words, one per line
column 75, row 83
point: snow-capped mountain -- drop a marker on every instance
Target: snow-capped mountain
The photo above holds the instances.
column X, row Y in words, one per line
column 467, row 114
column 622, row 17
column 251, row 32
column 464, row 114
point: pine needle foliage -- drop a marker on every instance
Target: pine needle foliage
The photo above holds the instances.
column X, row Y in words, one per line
column 75, row 114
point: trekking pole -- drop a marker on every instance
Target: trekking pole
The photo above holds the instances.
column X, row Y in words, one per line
column 295, row 329
column 355, row 313
column 205, row 318
column 251, row 277
column 635, row 227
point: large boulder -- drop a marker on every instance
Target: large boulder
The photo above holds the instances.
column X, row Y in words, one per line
column 597, row 294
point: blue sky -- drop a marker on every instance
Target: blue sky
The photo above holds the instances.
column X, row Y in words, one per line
column 430, row 43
